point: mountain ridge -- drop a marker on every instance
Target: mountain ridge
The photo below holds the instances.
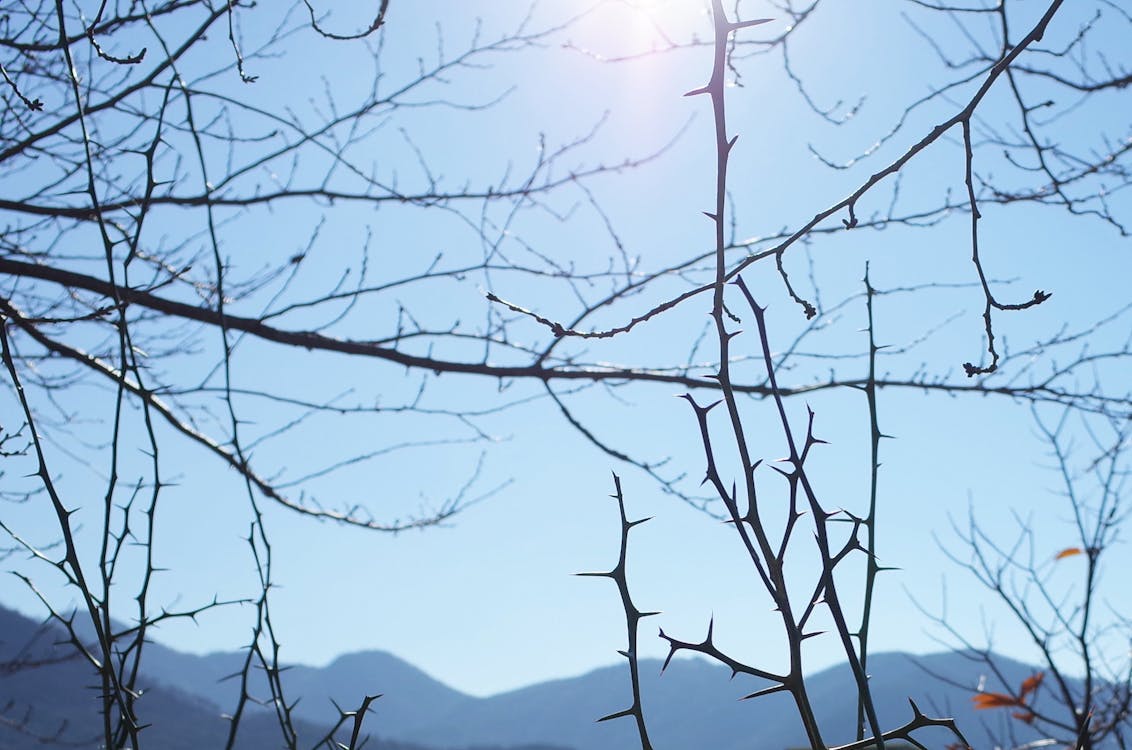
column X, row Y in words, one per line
column 695, row 703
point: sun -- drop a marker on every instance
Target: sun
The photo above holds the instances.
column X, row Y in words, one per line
column 666, row 11
column 663, row 19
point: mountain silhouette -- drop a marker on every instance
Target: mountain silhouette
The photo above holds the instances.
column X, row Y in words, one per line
column 49, row 697
column 693, row 704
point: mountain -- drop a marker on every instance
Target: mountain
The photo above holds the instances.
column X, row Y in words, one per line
column 409, row 696
column 694, row 704
column 48, row 697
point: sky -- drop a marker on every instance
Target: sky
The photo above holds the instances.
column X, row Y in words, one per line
column 489, row 601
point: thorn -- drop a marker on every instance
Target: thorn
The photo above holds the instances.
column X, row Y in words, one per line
column 711, row 216
column 697, row 92
column 712, row 405
column 916, row 709
column 764, row 691
column 747, row 24
column 617, row 715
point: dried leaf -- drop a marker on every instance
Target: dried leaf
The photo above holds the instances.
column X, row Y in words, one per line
column 1031, row 683
column 1025, row 716
column 994, row 700
column 1068, row 552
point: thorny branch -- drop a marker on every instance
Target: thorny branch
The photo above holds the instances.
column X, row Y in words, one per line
column 139, row 259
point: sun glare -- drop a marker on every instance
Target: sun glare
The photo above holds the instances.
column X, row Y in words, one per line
column 657, row 22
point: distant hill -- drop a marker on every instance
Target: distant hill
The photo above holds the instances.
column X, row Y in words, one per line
column 47, row 694
column 695, row 704
column 44, row 693
column 409, row 696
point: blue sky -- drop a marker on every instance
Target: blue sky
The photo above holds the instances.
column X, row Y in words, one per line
column 488, row 602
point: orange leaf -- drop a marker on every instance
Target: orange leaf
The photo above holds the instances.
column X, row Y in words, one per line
column 1025, row 716
column 994, row 700
column 1031, row 683
column 1068, row 552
